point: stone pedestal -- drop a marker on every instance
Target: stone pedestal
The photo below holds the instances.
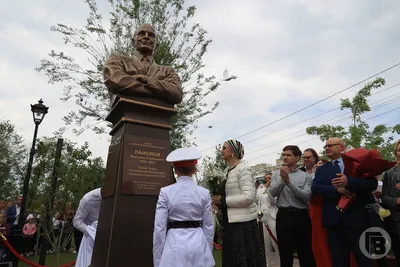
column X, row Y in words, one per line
column 136, row 170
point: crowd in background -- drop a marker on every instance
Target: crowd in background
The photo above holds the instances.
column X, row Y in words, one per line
column 299, row 207
column 33, row 232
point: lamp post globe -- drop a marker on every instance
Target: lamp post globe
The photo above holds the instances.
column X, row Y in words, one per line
column 39, row 111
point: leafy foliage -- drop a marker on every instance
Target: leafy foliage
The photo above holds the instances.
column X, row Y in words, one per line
column 213, row 172
column 180, row 43
column 12, row 161
column 78, row 174
column 359, row 133
column 359, row 104
column 215, row 163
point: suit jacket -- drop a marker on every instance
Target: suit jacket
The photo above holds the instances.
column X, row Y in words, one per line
column 162, row 81
column 11, row 214
column 390, row 193
column 355, row 216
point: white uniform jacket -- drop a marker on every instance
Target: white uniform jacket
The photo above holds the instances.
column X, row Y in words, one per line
column 183, row 247
column 85, row 252
column 88, row 210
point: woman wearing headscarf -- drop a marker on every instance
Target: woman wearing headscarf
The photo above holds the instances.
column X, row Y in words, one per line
column 241, row 239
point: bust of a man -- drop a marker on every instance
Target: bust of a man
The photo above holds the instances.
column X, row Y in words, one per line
column 139, row 75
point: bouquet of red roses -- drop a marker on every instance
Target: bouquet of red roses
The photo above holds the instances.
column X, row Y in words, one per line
column 361, row 163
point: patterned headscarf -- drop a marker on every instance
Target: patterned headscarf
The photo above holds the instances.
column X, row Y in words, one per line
column 236, row 147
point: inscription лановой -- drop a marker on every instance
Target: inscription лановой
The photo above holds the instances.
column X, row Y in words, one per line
column 145, row 170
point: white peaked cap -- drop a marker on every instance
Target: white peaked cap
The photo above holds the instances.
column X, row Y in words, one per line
column 184, row 157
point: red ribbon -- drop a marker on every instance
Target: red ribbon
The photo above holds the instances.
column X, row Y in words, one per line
column 16, row 254
column 217, row 246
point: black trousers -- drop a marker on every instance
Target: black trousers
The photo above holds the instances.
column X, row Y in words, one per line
column 293, row 229
column 15, row 240
column 341, row 241
column 391, row 227
column 28, row 244
column 78, row 235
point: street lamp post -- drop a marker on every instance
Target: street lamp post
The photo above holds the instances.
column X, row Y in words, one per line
column 39, row 111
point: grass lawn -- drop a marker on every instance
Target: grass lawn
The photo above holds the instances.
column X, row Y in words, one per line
column 217, row 257
column 51, row 259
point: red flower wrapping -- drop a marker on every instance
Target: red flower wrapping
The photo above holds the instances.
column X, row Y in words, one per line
column 361, row 163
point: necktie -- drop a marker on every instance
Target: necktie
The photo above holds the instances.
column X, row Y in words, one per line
column 336, row 167
column 146, row 63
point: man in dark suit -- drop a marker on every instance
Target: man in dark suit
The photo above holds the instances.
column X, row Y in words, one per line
column 139, row 75
column 343, row 229
column 13, row 213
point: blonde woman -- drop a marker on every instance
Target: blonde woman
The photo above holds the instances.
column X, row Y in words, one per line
column 241, row 239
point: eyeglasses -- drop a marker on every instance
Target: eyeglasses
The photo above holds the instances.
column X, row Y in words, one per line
column 330, row 145
column 307, row 157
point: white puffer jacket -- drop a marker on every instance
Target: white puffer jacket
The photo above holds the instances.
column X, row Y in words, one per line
column 240, row 194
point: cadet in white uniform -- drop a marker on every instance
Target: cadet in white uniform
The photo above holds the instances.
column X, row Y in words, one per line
column 85, row 221
column 88, row 210
column 183, row 226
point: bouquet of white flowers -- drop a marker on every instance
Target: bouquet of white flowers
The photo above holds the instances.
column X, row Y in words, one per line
column 213, row 181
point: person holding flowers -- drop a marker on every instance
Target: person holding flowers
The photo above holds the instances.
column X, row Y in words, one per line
column 240, row 236
column 343, row 228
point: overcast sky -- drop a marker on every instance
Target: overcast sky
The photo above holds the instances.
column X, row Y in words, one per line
column 287, row 55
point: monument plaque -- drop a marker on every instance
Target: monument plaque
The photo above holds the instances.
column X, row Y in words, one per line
column 145, row 170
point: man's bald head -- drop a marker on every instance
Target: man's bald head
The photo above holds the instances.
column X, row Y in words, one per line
column 337, row 140
column 334, row 147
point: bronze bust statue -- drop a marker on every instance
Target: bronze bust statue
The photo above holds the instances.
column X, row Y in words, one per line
column 139, row 75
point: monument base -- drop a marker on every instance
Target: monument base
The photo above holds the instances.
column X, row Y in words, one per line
column 136, row 170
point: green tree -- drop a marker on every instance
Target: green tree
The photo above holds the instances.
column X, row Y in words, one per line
column 12, row 161
column 215, row 162
column 79, row 173
column 359, row 134
column 181, row 43
column 212, row 166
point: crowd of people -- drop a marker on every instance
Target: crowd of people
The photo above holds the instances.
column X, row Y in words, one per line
column 67, row 226
column 297, row 204
column 302, row 215
column 32, row 232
